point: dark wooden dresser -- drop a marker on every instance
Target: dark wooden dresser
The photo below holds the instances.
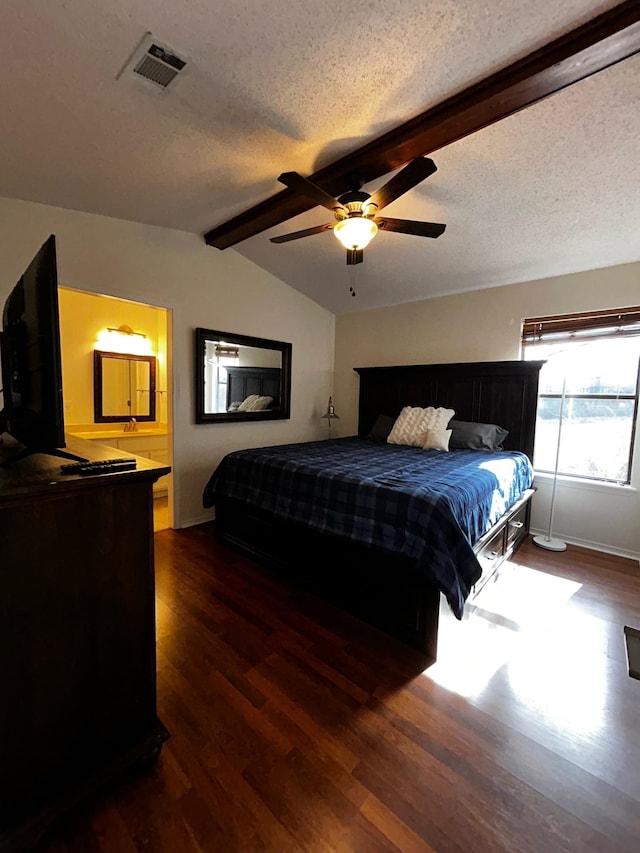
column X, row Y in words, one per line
column 77, row 634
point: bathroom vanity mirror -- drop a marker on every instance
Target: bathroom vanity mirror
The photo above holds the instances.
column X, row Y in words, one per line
column 241, row 378
column 124, row 387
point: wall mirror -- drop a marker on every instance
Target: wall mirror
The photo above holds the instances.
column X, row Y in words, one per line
column 241, row 378
column 124, row 387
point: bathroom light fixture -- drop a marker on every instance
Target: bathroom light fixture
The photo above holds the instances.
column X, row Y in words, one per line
column 124, row 340
column 227, row 351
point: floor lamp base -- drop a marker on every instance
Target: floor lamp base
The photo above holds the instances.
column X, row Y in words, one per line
column 549, row 543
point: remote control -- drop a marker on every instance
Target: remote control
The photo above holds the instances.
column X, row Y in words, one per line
column 101, row 466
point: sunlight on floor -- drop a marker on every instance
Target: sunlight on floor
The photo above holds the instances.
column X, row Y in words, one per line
column 560, row 671
column 522, row 629
column 522, row 595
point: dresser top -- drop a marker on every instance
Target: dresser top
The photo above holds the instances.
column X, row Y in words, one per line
column 41, row 473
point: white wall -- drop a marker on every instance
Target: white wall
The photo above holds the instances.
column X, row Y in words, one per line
column 203, row 287
column 485, row 325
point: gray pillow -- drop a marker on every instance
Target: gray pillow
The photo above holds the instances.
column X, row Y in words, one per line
column 470, row 436
column 382, row 427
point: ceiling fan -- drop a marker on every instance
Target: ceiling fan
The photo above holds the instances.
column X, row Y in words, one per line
column 356, row 211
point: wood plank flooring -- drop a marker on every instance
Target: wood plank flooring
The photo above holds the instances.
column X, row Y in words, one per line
column 161, row 513
column 296, row 728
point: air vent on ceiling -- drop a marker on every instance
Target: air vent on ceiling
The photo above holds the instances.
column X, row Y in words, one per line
column 155, row 63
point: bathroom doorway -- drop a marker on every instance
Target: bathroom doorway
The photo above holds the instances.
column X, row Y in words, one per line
column 90, row 322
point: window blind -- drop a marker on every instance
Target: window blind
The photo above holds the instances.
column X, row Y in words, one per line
column 612, row 323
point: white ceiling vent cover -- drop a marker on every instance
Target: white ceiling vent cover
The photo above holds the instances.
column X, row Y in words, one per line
column 155, row 63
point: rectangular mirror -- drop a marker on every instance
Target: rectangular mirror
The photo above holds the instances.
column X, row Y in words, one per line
column 124, row 387
column 241, row 378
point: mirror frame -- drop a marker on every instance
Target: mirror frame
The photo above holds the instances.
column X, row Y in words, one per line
column 98, row 416
column 285, row 350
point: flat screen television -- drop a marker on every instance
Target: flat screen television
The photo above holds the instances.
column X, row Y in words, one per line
column 33, row 411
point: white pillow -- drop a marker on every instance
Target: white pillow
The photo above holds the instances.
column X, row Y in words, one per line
column 437, row 439
column 413, row 422
column 255, row 403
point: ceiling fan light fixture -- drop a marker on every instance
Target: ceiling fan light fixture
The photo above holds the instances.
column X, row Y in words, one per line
column 356, row 232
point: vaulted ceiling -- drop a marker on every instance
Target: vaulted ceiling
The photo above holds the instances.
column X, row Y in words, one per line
column 277, row 86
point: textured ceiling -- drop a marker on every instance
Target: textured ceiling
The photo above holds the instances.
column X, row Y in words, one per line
column 275, row 86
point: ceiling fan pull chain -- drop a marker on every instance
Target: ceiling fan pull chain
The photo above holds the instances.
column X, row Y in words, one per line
column 353, row 281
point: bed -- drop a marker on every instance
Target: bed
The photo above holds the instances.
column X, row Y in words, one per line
column 382, row 530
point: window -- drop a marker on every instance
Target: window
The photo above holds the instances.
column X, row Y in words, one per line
column 217, row 357
column 591, row 376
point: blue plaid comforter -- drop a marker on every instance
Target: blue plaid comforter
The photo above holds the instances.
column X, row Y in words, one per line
column 428, row 505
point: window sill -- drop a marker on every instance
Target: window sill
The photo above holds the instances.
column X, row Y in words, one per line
column 586, row 485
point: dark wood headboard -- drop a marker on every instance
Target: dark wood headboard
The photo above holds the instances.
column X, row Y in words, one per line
column 496, row 392
column 243, row 381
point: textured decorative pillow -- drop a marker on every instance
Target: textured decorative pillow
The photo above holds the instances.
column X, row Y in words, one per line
column 255, row 403
column 413, row 422
column 470, row 436
column 245, row 405
column 437, row 439
column 382, row 427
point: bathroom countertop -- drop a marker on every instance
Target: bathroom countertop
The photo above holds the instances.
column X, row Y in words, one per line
column 105, row 434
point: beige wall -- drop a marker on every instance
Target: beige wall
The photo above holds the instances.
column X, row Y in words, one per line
column 485, row 325
column 202, row 287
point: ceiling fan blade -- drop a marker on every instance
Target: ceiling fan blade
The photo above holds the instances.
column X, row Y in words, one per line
column 409, row 226
column 413, row 173
column 354, row 256
column 306, row 232
column 303, row 186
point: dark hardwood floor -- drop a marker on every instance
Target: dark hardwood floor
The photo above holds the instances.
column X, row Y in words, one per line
column 296, row 728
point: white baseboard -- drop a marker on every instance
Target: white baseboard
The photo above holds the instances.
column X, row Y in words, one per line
column 200, row 519
column 592, row 546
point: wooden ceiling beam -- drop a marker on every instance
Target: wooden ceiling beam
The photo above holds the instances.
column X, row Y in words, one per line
column 602, row 42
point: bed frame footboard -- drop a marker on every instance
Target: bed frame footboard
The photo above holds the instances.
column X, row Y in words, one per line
column 380, row 588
